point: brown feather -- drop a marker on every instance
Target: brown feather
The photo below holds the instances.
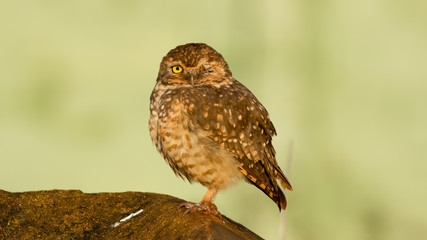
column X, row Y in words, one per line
column 242, row 137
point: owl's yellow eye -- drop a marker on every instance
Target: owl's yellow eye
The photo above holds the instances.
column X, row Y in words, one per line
column 176, row 69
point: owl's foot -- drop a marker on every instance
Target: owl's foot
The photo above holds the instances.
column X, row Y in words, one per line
column 205, row 207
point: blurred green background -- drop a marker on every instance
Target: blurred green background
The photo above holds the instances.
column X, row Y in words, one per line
column 345, row 83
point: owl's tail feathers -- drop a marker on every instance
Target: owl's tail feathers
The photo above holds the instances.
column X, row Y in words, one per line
column 281, row 201
column 286, row 185
column 283, row 180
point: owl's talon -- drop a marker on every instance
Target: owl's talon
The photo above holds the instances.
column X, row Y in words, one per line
column 205, row 207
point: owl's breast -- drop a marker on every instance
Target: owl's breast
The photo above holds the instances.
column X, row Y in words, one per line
column 186, row 146
column 165, row 111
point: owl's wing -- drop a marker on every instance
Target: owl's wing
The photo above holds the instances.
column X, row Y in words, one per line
column 238, row 122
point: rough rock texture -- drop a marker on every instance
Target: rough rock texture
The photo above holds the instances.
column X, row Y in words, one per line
column 60, row 214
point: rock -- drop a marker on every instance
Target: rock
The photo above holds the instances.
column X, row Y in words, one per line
column 63, row 214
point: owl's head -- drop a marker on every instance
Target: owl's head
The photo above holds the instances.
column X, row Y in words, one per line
column 193, row 64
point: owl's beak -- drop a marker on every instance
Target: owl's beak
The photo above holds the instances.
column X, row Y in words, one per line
column 192, row 75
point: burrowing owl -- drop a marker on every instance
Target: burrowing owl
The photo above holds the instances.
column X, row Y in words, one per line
column 210, row 128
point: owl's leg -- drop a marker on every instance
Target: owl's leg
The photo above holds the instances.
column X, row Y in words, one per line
column 209, row 196
column 205, row 205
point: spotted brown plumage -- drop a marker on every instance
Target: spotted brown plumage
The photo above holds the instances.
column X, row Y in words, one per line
column 210, row 128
